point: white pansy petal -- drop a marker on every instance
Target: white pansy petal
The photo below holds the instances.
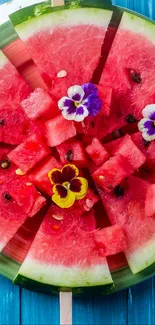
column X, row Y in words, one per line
column 81, row 113
column 141, row 124
column 67, row 115
column 62, row 102
column 148, row 137
column 76, row 93
column 148, row 110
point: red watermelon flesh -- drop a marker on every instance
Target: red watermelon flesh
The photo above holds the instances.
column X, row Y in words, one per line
column 11, row 216
column 13, row 89
column 111, row 240
column 127, row 148
column 7, row 169
column 39, row 104
column 39, row 176
column 105, row 94
column 56, row 39
column 132, row 77
column 72, row 151
column 29, row 153
column 56, row 262
column 13, row 124
column 112, row 172
column 97, row 152
column 150, row 201
column 148, row 148
column 126, row 207
column 25, row 194
column 59, row 130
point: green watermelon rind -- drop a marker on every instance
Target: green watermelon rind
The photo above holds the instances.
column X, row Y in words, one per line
column 36, row 10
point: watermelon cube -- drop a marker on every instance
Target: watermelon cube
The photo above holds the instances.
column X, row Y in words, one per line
column 39, row 104
column 39, row 176
column 97, row 152
column 72, row 151
column 29, row 153
column 150, row 201
column 127, row 148
column 112, row 172
column 105, row 94
column 59, row 130
column 26, row 195
column 111, row 240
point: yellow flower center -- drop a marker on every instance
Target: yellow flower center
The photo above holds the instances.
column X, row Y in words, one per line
column 66, row 185
column 154, row 123
column 76, row 104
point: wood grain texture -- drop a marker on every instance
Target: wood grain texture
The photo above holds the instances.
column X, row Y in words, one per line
column 9, row 303
column 38, row 309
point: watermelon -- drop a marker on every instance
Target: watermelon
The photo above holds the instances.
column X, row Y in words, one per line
column 147, row 147
column 125, row 206
column 127, row 148
column 29, row 153
column 112, row 172
column 13, row 89
column 51, row 35
column 25, row 195
column 55, row 264
column 72, row 151
column 7, row 169
column 111, row 240
column 131, row 77
column 97, row 152
column 39, row 175
column 59, row 130
column 39, row 104
column 149, row 201
column 105, row 94
column 12, row 216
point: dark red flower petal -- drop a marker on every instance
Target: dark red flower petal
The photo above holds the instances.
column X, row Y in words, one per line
column 69, row 172
column 62, row 191
column 56, row 177
column 75, row 185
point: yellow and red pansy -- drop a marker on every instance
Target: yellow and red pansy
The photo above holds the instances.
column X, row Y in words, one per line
column 67, row 185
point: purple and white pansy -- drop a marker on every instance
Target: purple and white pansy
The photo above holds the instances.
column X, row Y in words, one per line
column 147, row 124
column 81, row 101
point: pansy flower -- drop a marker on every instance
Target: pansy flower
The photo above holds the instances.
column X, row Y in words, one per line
column 147, row 124
column 67, row 185
column 81, row 101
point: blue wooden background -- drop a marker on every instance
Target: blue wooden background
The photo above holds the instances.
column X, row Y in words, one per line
column 133, row 306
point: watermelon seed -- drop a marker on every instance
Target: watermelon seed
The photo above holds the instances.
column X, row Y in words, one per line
column 92, row 124
column 2, row 122
column 119, row 191
column 136, row 77
column 69, row 155
column 5, row 164
column 62, row 74
column 131, row 119
column 146, row 143
column 7, row 197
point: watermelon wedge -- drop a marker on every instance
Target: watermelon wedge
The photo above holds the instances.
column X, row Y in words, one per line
column 55, row 265
column 131, row 77
column 125, row 206
column 50, row 33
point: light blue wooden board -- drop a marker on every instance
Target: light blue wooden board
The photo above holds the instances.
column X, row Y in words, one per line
column 133, row 306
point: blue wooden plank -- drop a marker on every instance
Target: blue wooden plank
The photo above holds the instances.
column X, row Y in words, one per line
column 9, row 303
column 39, row 309
column 141, row 303
column 110, row 309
